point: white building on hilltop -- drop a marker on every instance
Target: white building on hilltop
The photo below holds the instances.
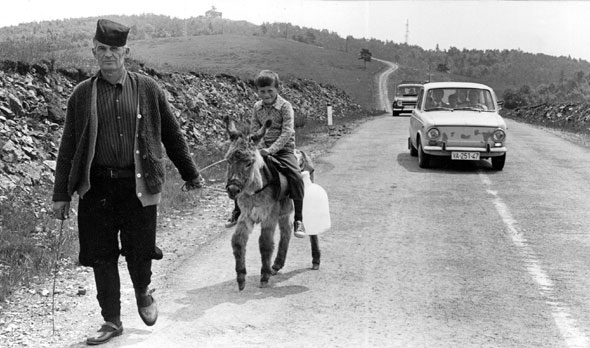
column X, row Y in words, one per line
column 213, row 13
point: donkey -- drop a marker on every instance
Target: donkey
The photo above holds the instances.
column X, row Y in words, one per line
column 262, row 198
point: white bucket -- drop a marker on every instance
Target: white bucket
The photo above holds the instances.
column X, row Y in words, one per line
column 316, row 209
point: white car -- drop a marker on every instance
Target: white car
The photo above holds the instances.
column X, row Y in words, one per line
column 458, row 120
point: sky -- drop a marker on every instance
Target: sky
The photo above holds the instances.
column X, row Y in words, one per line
column 557, row 28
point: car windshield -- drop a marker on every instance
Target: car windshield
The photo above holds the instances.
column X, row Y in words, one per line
column 408, row 90
column 459, row 99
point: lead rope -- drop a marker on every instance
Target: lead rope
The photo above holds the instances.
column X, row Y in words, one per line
column 189, row 186
column 213, row 164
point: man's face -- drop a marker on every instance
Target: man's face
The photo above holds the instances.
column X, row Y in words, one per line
column 461, row 95
column 268, row 94
column 438, row 94
column 110, row 58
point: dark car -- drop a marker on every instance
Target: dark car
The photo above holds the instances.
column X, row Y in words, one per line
column 406, row 94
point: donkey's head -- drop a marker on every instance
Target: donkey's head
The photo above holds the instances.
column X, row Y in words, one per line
column 243, row 159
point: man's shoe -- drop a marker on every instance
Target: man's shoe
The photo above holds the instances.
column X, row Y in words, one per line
column 149, row 313
column 107, row 331
column 299, row 230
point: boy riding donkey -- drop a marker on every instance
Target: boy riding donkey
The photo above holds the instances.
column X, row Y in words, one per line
column 278, row 143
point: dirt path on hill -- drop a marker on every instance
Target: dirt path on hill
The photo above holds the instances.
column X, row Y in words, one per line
column 382, row 82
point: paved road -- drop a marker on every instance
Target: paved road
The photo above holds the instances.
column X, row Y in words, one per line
column 454, row 256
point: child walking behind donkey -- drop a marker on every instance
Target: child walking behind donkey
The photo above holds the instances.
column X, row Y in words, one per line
column 279, row 141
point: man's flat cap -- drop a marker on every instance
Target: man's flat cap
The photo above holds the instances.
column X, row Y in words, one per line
column 111, row 33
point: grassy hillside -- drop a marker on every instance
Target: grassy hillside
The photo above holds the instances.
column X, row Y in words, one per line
column 562, row 78
column 240, row 47
column 244, row 56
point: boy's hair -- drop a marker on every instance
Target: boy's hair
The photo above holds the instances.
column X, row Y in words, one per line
column 267, row 78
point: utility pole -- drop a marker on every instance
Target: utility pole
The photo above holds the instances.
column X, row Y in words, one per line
column 407, row 30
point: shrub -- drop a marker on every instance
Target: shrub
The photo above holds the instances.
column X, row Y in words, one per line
column 300, row 119
column 30, row 239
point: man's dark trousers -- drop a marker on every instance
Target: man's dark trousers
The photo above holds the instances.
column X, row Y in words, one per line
column 108, row 211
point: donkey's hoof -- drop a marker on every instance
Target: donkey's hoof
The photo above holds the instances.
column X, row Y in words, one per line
column 241, row 278
column 315, row 266
column 274, row 271
column 264, row 284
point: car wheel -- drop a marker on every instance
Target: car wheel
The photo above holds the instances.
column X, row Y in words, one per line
column 423, row 158
column 413, row 150
column 498, row 162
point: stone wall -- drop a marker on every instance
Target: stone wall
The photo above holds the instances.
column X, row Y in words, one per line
column 33, row 104
column 571, row 117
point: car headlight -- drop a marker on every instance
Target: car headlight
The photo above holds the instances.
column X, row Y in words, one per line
column 433, row 133
column 398, row 103
column 499, row 135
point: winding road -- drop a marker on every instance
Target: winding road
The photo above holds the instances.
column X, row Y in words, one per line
column 382, row 83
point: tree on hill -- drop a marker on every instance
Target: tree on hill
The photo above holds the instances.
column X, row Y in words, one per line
column 308, row 38
column 574, row 89
column 442, row 67
column 365, row 55
column 514, row 99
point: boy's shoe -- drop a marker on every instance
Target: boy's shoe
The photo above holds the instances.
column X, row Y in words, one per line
column 107, row 331
column 233, row 220
column 299, row 229
column 148, row 313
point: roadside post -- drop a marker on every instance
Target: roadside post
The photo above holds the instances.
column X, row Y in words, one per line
column 329, row 114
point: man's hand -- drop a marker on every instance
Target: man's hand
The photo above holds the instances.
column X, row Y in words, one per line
column 196, row 183
column 264, row 152
column 61, row 210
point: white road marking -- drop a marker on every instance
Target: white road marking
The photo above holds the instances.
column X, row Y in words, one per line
column 567, row 325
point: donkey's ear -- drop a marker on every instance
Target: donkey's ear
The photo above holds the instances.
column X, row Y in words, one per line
column 261, row 132
column 231, row 129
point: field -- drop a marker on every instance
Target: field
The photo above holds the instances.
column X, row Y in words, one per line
column 244, row 56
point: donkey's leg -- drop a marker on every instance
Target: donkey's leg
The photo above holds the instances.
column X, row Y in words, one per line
column 285, row 229
column 266, row 245
column 239, row 241
column 315, row 252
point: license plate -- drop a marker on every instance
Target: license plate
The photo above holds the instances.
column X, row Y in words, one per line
column 408, row 107
column 465, row 156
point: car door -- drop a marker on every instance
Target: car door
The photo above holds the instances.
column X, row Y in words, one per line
column 416, row 124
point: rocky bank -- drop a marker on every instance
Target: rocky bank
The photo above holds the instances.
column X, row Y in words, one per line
column 33, row 104
column 568, row 117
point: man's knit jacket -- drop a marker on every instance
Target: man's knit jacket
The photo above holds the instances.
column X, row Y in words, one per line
column 157, row 125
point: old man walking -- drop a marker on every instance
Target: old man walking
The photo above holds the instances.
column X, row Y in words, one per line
column 111, row 154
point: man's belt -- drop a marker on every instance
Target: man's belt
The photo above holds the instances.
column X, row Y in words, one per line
column 112, row 173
